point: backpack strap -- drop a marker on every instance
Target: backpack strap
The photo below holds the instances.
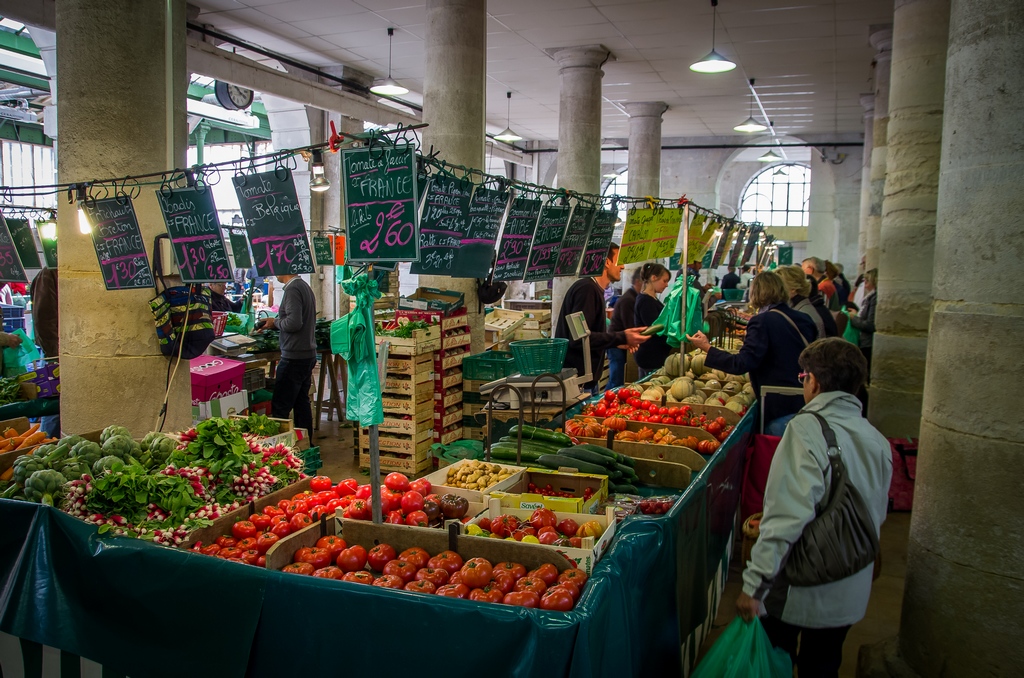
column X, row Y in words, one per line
column 790, row 321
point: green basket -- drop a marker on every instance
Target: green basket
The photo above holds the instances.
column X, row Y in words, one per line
column 488, row 366
column 311, row 460
column 537, row 356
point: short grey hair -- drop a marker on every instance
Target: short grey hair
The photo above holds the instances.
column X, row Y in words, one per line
column 819, row 264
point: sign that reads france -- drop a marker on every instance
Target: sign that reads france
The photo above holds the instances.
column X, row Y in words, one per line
column 514, row 248
column 24, row 242
column 194, row 229
column 270, row 210
column 118, row 243
column 485, row 212
column 597, row 244
column 11, row 269
column 445, row 225
column 573, row 242
column 547, row 241
column 380, row 204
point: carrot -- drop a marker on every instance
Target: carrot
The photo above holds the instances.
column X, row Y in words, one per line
column 5, row 446
column 10, row 433
column 8, row 474
column 32, row 440
column 32, row 430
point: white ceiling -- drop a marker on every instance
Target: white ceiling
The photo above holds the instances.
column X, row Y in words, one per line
column 810, row 58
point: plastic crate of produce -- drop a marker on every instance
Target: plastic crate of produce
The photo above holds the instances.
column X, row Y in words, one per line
column 311, row 460
column 254, row 380
column 488, row 366
column 13, row 311
column 11, row 324
column 538, row 356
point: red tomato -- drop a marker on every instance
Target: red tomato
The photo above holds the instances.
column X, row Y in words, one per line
column 323, row 497
column 332, row 543
column 412, row 501
column 515, row 569
column 358, row 577
column 522, row 599
column 210, row 550
column 546, row 572
column 655, row 419
column 272, row 511
column 281, row 529
column 543, row 517
column 421, row 586
column 476, row 573
column 681, row 421
column 504, row 581
column 435, row 575
column 415, row 555
column 347, row 487
column 713, row 427
column 570, row 587
column 548, row 537
column 316, row 513
column 449, row 561
column 299, row 568
column 229, row 552
column 359, row 510
column 557, row 599
column 261, row 561
column 265, row 541
column 318, row 557
column 485, row 524
column 601, row 410
column 225, row 541
column 546, row 529
column 535, row 584
column 421, row 485
column 578, row 577
column 329, row 572
column 390, row 581
column 364, row 492
column 352, row 559
column 261, row 521
column 453, row 591
column 662, row 410
column 247, row 543
column 568, row 527
column 504, row 525
column 401, row 568
column 300, row 506
column 397, row 482
column 250, row 556
column 389, row 501
column 417, row 519
column 320, row 483
column 299, row 521
column 283, row 503
column 673, row 411
column 395, row 518
column 436, row 498
column 488, row 594
column 575, row 542
column 455, row 577
column 609, row 396
column 302, row 496
column 379, row 556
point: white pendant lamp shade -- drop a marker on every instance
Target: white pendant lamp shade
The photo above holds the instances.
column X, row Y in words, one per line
column 389, row 85
column 318, row 180
column 713, row 62
column 507, row 135
column 770, row 157
column 750, row 125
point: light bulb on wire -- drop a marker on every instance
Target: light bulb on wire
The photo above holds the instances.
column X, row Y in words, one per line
column 507, row 135
column 713, row 62
column 750, row 125
column 389, row 85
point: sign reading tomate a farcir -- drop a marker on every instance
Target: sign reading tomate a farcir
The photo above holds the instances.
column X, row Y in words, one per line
column 118, row 242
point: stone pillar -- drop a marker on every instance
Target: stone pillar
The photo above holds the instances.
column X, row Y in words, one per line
column 121, row 66
column 579, row 132
column 920, row 34
column 881, row 40
column 454, row 107
column 965, row 582
column 867, row 101
column 644, row 157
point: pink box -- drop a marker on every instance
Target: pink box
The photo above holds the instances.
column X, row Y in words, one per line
column 214, row 377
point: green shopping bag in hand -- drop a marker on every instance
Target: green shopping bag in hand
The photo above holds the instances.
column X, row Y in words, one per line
column 851, row 334
column 17, row 360
column 744, row 651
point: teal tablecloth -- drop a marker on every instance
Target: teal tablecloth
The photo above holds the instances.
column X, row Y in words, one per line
column 40, row 407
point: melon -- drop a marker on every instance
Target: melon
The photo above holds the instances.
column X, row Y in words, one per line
column 682, row 388
column 686, row 364
column 748, row 388
column 734, row 406
column 713, row 384
column 697, row 364
column 719, row 375
column 672, row 365
column 732, row 387
column 694, row 400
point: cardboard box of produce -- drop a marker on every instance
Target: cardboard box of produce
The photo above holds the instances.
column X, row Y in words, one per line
column 518, row 495
column 433, row 299
column 233, row 404
column 439, row 480
column 215, row 377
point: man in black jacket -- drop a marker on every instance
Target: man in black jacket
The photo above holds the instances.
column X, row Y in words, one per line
column 587, row 295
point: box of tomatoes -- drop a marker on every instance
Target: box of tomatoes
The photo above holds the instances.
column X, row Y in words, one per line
column 556, row 490
column 581, row 538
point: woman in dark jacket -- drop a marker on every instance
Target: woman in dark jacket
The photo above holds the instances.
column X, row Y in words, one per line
column 651, row 354
column 864, row 320
column 776, row 335
column 622, row 319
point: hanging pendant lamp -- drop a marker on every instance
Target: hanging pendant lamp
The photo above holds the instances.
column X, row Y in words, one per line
column 611, row 173
column 713, row 62
column 507, row 134
column 389, row 85
column 750, row 125
column 770, row 157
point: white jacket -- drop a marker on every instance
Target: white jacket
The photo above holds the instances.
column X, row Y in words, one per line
column 796, row 486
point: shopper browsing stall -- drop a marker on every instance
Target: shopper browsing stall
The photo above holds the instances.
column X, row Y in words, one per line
column 587, row 296
column 220, row 302
column 651, row 355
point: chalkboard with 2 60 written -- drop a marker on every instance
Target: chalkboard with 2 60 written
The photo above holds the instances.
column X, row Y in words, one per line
column 273, row 220
column 445, row 225
column 11, row 269
column 118, row 243
column 194, row 229
column 380, row 204
column 24, row 242
column 574, row 241
column 546, row 242
column 514, row 248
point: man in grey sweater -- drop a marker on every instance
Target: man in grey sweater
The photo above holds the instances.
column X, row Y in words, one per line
column 296, row 320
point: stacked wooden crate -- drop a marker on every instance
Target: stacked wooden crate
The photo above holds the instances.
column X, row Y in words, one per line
column 537, row 325
column 500, row 326
column 448, row 408
column 408, row 398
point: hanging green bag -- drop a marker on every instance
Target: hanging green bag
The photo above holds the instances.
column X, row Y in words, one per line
column 19, row 360
column 744, row 651
column 671, row 314
column 352, row 339
column 851, row 334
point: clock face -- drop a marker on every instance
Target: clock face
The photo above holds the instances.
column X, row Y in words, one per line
column 239, row 96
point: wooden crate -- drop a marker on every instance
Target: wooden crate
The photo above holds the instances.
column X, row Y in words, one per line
column 453, row 379
column 472, row 385
column 448, row 400
column 410, row 365
column 446, row 419
column 405, row 426
column 397, row 404
column 526, row 335
column 444, row 361
column 449, row 436
column 412, row 443
column 408, row 464
column 454, row 322
column 503, row 322
column 411, row 385
column 422, row 341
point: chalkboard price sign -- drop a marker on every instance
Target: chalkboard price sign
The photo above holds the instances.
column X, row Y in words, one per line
column 445, row 225
column 637, row 236
column 24, row 242
column 485, row 212
column 514, row 248
column 547, row 242
column 574, row 241
column 118, row 243
column 270, row 210
column 323, row 250
column 597, row 244
column 240, row 249
column 11, row 269
column 667, row 221
column 380, row 204
column 192, row 224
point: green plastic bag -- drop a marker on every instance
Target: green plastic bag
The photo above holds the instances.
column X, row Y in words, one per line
column 851, row 333
column 352, row 339
column 674, row 333
column 744, row 651
column 18, row 360
column 458, row 450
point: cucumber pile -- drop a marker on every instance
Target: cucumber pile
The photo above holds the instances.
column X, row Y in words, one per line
column 553, row 450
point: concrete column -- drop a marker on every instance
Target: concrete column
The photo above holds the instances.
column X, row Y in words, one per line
column 965, row 582
column 454, row 107
column 579, row 131
column 121, row 66
column 881, row 40
column 644, row 156
column 920, row 35
column 867, row 101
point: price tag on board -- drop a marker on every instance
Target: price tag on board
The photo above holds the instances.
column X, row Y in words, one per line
column 514, row 247
column 445, row 226
column 323, row 250
column 574, row 241
column 476, row 251
column 118, row 243
column 547, row 242
column 24, row 242
column 636, row 237
column 597, row 244
column 194, row 230
column 380, row 203
column 273, row 221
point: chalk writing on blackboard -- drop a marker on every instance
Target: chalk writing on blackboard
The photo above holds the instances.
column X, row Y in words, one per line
column 273, row 220
column 118, row 243
column 445, row 225
column 380, row 203
column 514, row 248
column 194, row 229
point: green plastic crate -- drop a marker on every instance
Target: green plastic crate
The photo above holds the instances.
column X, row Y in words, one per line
column 488, row 366
column 311, row 460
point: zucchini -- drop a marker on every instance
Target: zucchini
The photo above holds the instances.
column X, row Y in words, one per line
column 622, row 489
column 616, row 456
column 587, row 455
column 509, row 454
column 541, row 434
column 555, row 461
column 540, row 445
column 616, row 476
column 627, row 471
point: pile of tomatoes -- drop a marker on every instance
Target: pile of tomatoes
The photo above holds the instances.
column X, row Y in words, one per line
column 625, row 403
column 548, row 491
column 445, row 574
column 542, row 527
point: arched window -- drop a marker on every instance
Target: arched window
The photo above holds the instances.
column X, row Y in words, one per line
column 777, row 196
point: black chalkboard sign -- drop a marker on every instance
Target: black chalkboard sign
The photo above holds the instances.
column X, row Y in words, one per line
column 50, row 252
column 574, row 241
column 323, row 250
column 118, row 243
column 734, row 255
column 755, row 232
column 194, row 229
column 380, row 204
column 597, row 244
column 716, row 259
column 240, row 249
column 11, row 269
column 485, row 212
column 270, row 210
column 24, row 242
column 514, row 248
column 546, row 242
column 445, row 225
